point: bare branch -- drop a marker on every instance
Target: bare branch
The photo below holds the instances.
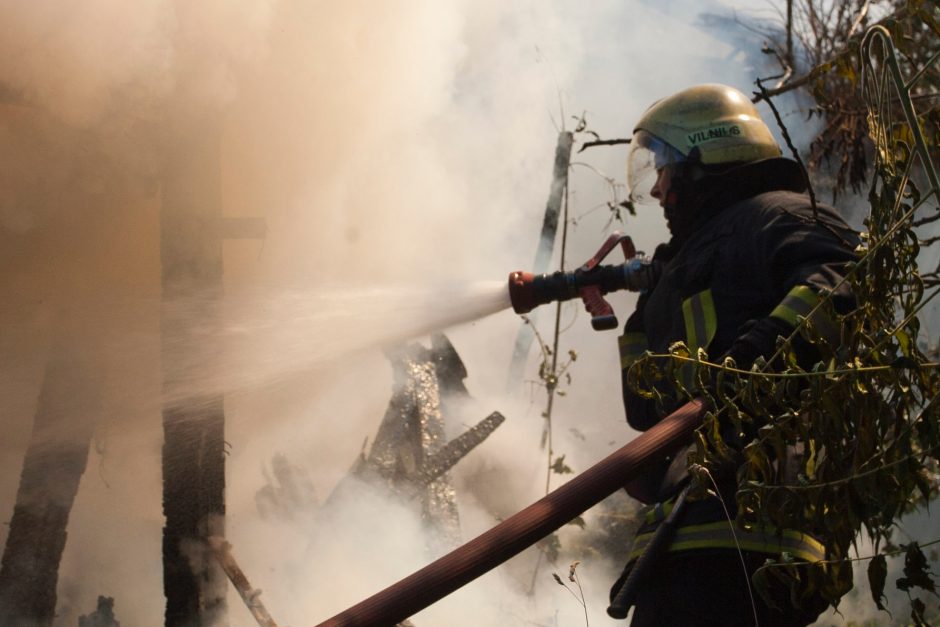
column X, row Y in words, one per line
column 859, row 19
column 822, row 66
column 603, row 142
column 796, row 154
column 784, row 63
column 816, row 72
column 789, row 64
column 927, row 220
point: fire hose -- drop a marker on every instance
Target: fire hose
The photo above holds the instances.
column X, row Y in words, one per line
column 520, row 531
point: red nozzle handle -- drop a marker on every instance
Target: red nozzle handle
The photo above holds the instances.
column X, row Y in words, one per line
column 602, row 314
column 629, row 251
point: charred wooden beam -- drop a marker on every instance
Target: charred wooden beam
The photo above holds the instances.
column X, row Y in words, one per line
column 52, row 470
column 193, row 426
column 545, row 248
column 222, row 552
column 455, row 450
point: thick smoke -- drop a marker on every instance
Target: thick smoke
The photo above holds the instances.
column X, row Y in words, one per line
column 392, row 149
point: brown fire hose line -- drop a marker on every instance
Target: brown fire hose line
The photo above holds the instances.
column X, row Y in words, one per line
column 515, row 534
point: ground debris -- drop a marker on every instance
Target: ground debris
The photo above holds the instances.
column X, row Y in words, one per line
column 103, row 616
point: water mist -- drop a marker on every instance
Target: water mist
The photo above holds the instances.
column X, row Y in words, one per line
column 269, row 335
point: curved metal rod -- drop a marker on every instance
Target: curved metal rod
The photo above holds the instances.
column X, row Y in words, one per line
column 883, row 36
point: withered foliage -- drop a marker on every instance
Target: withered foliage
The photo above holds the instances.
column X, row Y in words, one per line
column 818, row 47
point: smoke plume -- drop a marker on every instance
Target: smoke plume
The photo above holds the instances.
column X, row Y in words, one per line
column 397, row 154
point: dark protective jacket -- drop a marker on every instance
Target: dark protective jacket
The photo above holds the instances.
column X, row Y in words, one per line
column 755, row 261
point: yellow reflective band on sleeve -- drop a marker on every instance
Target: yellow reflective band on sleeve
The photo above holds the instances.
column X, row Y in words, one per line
column 632, row 346
column 701, row 323
column 720, row 535
column 798, row 303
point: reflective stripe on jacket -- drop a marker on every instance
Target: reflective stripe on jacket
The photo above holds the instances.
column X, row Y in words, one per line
column 632, row 346
column 803, row 302
column 724, row 535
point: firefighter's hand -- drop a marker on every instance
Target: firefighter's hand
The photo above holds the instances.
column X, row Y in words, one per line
column 757, row 338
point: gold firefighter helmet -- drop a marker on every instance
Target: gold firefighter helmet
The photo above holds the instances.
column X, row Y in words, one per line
column 714, row 124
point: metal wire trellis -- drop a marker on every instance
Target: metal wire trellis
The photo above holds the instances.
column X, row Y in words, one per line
column 882, row 71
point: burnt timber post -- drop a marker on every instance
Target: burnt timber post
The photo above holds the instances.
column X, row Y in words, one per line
column 546, row 246
column 192, row 231
column 193, row 423
column 52, row 470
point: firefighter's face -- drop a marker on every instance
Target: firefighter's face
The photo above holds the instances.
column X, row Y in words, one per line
column 661, row 186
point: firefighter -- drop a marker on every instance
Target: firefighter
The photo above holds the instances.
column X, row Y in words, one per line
column 748, row 255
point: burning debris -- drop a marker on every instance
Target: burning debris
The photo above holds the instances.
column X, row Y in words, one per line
column 103, row 616
column 411, row 456
column 288, row 493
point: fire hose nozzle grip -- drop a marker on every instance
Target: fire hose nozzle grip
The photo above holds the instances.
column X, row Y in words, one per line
column 602, row 314
column 604, row 323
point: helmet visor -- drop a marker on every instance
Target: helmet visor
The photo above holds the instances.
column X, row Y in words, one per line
column 648, row 155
